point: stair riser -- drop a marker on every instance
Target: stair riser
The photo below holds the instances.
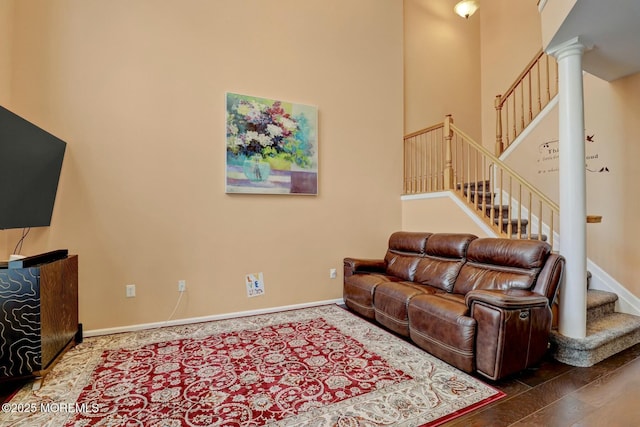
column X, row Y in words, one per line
column 505, row 215
column 598, row 312
column 496, row 211
column 474, row 185
column 488, row 198
column 470, row 195
column 514, row 227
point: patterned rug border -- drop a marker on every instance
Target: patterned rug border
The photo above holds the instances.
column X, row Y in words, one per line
column 411, row 400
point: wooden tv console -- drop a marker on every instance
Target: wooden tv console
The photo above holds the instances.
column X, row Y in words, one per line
column 38, row 313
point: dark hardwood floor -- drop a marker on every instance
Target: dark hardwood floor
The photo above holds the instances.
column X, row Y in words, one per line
column 554, row 394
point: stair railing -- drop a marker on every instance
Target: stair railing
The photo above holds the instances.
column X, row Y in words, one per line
column 442, row 157
column 424, row 161
column 534, row 88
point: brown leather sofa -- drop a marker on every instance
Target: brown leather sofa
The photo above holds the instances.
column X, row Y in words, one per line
column 479, row 304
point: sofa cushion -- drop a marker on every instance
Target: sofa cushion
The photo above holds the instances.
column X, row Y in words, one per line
column 408, row 242
column 405, row 249
column 391, row 300
column 444, row 328
column 509, row 252
column 444, row 256
column 358, row 291
column 401, row 266
column 501, row 264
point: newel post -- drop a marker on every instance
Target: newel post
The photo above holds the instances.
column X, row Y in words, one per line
column 448, row 165
column 499, row 144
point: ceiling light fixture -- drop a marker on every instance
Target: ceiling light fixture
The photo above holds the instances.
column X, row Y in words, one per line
column 466, row 8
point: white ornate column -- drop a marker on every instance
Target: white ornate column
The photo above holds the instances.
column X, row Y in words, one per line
column 572, row 175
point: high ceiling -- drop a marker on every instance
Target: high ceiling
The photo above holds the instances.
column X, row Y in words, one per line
column 613, row 28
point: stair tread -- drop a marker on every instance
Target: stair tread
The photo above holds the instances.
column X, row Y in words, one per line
column 479, row 191
column 473, row 184
column 601, row 331
column 496, row 208
column 511, row 220
column 524, row 236
column 596, row 298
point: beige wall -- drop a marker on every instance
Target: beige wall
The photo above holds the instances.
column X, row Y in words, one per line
column 442, row 66
column 615, row 244
column 6, row 44
column 6, row 32
column 458, row 66
column 4, row 249
column 137, row 90
column 437, row 215
column 510, row 33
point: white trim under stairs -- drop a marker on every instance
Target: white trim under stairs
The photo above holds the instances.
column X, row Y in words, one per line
column 530, row 127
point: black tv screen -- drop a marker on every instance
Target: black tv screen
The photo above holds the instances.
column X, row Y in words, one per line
column 30, row 165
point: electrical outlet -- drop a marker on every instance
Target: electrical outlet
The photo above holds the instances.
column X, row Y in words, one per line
column 333, row 273
column 182, row 285
column 131, row 291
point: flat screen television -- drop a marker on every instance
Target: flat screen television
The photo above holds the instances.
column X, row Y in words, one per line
column 30, row 165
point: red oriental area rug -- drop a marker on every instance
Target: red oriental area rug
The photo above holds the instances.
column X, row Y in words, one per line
column 320, row 366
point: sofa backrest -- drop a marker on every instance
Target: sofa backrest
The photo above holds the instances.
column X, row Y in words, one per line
column 444, row 256
column 494, row 263
column 404, row 252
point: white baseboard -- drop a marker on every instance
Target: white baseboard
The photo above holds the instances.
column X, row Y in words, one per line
column 177, row 322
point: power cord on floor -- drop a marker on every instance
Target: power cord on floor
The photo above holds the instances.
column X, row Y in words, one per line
column 18, row 248
column 175, row 308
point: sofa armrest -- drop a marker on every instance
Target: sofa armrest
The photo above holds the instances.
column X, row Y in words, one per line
column 550, row 277
column 508, row 299
column 512, row 329
column 354, row 265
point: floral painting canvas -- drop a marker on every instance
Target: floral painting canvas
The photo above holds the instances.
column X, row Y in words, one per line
column 272, row 146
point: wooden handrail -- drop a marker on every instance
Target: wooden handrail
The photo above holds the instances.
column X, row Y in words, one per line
column 425, row 130
column 518, row 106
column 521, row 76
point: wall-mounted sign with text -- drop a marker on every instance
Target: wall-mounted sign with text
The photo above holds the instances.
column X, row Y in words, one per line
column 549, row 154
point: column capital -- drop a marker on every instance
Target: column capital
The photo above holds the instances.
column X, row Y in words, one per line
column 574, row 46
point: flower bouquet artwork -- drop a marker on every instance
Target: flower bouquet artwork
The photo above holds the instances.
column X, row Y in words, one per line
column 272, row 146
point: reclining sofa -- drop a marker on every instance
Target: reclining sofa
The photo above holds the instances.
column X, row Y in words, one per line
column 480, row 304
